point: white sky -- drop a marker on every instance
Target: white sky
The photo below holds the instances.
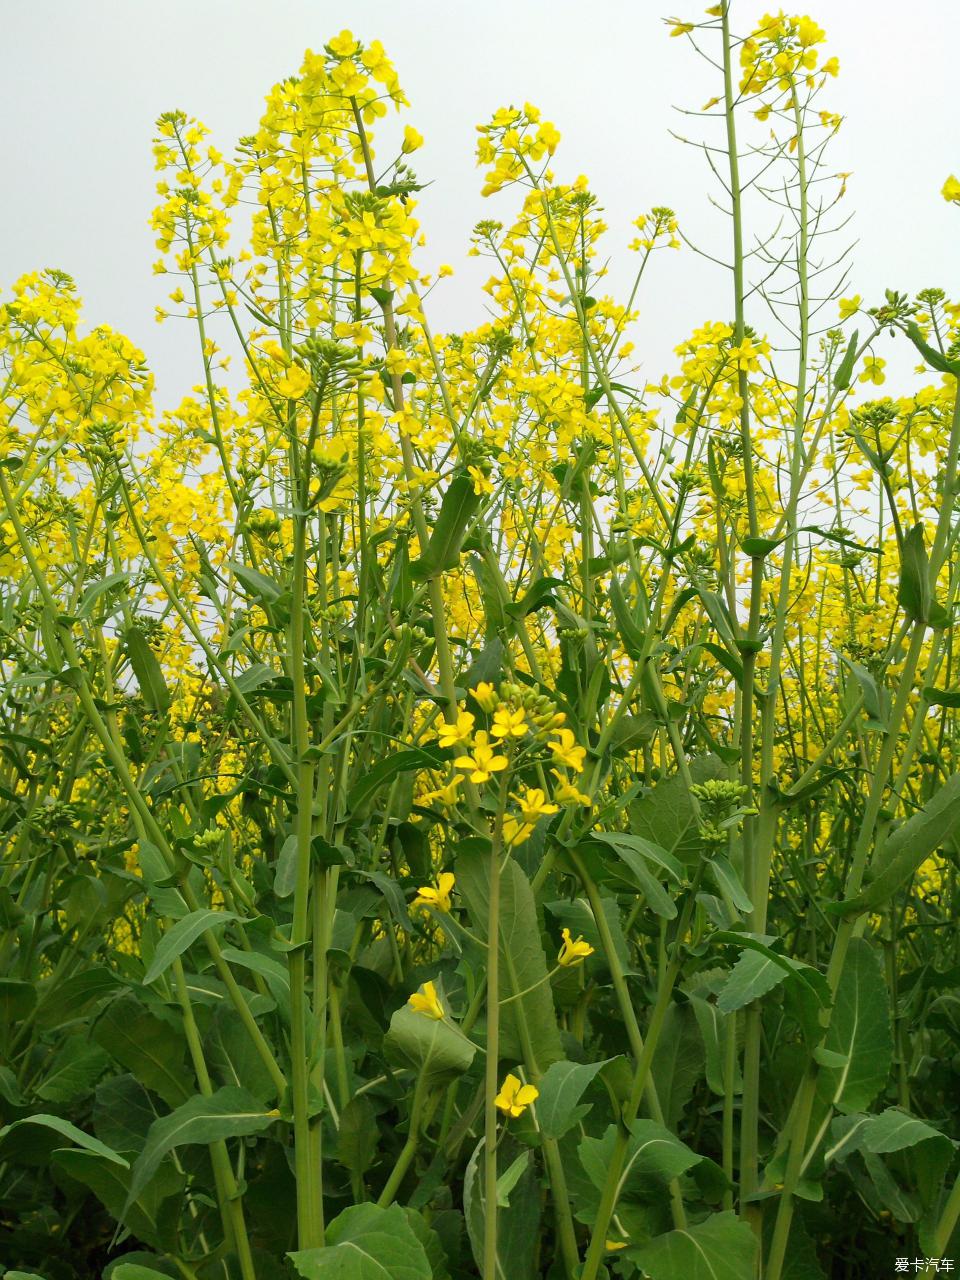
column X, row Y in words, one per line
column 84, row 82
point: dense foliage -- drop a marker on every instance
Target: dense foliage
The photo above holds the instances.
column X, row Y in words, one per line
column 404, row 642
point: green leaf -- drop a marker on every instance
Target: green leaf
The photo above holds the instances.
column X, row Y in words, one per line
column 859, row 1030
column 388, row 769
column 562, row 1086
column 678, row 1062
column 631, row 635
column 366, row 1242
column 136, row 1270
column 752, row 977
column 941, row 697
column 73, row 1071
column 517, row 1226
column 285, row 875
column 841, row 379
column 358, row 1135
column 71, row 997
column 146, row 1046
column 228, row 1113
column 523, row 967
column 443, row 550
column 181, row 936
column 871, row 694
column 436, row 1050
column 729, row 883
column 934, row 358
column 665, row 815
column 914, row 592
column 654, row 1156
column 759, row 548
column 100, row 588
column 66, row 1130
column 263, row 589
column 719, row 1248
column 631, row 868
column 146, row 668
column 17, row 999
column 906, row 848
column 146, row 1217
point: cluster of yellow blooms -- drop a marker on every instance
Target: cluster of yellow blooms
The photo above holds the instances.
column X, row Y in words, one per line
column 340, row 355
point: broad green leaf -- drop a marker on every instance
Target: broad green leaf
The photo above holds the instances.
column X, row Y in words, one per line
column 285, row 875
column 136, row 1271
column 906, row 848
column 561, row 1087
column 665, row 816
column 73, row 1071
column 68, row 999
column 181, row 936
column 712, row 1024
column 366, row 1242
column 729, row 883
column 358, row 1135
column 859, row 1030
column 434, row 1048
column 147, row 1047
column 523, row 967
column 146, row 668
column 752, row 977
column 146, row 1217
column 934, row 358
column 456, row 510
column 387, row 770
column 894, row 1130
column 17, row 999
column 66, row 1130
column 678, row 1062
column 753, row 980
column 719, row 1248
column 517, row 1226
column 123, row 1112
column 228, row 1113
column 654, row 1156
column 262, row 588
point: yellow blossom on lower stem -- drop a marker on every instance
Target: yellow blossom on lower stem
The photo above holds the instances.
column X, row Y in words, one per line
column 515, row 831
column 566, row 793
column 436, row 896
column 484, row 762
column 447, row 795
column 951, row 190
column 574, row 950
column 565, row 750
column 509, row 724
column 450, row 735
column 514, row 1097
column 534, row 805
column 427, row 1002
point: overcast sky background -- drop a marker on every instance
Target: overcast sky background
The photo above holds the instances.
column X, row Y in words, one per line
column 83, row 83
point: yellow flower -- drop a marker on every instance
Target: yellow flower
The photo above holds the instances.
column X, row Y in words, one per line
column 514, row 1097
column 447, row 795
column 412, row 140
column 574, row 950
column 294, row 383
column 873, row 370
column 439, row 897
column 951, row 190
column 533, row 804
column 427, row 1002
column 680, row 28
column 484, row 762
column 485, row 696
column 452, row 734
column 481, row 481
column 509, row 724
column 565, row 751
column 566, row 793
column 849, row 306
column 515, row 831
